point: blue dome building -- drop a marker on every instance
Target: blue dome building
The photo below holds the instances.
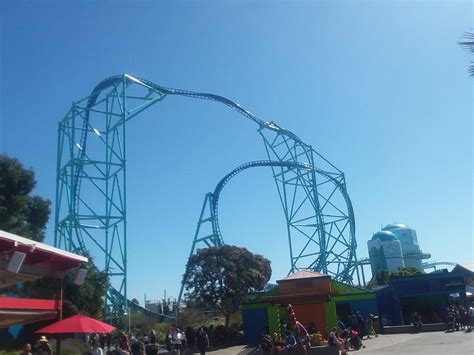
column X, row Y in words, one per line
column 394, row 226
column 385, row 252
column 412, row 254
column 384, row 236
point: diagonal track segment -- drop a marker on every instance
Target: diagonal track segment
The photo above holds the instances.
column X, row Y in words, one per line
column 91, row 204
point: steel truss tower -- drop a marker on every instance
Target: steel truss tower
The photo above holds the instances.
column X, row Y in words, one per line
column 91, row 204
column 91, row 207
column 318, row 211
column 208, row 232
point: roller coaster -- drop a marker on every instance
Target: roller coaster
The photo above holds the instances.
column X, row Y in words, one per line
column 91, row 204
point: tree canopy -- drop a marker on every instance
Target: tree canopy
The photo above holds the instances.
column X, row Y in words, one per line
column 383, row 276
column 27, row 215
column 406, row 271
column 87, row 299
column 20, row 212
column 221, row 277
column 468, row 44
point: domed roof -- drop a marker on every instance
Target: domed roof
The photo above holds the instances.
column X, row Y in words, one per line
column 384, row 236
column 394, row 225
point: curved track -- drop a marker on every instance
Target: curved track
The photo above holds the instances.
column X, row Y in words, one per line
column 434, row 264
column 212, row 203
column 92, row 166
column 266, row 163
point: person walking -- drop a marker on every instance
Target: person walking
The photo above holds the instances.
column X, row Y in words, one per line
column 290, row 341
column 471, row 318
column 43, row 347
column 123, row 344
column 96, row 349
column 202, row 341
column 26, row 349
column 334, row 340
column 151, row 348
column 417, row 323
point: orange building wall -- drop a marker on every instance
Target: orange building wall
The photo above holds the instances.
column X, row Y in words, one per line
column 307, row 313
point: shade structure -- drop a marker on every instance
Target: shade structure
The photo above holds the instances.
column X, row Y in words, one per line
column 39, row 260
column 23, row 311
column 77, row 324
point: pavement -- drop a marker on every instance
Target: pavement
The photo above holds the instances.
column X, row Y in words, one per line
column 431, row 343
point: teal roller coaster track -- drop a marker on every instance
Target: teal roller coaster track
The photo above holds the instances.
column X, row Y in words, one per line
column 91, row 203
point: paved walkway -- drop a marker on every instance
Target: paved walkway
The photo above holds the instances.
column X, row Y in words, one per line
column 432, row 343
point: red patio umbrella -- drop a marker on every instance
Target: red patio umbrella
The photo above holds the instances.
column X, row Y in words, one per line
column 77, row 324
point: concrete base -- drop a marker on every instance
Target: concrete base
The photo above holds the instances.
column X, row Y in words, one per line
column 403, row 329
column 314, row 350
column 324, row 350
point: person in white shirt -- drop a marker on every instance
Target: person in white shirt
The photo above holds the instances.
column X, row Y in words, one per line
column 96, row 350
column 471, row 318
column 334, row 340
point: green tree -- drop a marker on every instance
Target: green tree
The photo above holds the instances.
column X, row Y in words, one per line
column 468, row 44
column 27, row 215
column 222, row 277
column 87, row 299
column 20, row 212
column 406, row 271
column 382, row 276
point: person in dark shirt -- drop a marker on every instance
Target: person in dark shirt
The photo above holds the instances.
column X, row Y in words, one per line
column 138, row 348
column 416, row 320
column 151, row 348
column 43, row 347
column 290, row 341
column 201, row 341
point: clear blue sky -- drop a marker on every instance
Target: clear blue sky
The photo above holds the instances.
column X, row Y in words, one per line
column 379, row 88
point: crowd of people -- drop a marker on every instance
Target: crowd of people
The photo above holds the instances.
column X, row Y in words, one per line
column 292, row 337
column 103, row 344
column 346, row 336
column 189, row 340
column 41, row 347
column 456, row 317
column 459, row 318
column 287, row 343
column 176, row 340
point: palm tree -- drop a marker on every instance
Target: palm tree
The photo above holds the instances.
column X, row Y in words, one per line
column 468, row 44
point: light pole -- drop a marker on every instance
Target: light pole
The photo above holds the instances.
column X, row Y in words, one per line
column 129, row 326
column 175, row 302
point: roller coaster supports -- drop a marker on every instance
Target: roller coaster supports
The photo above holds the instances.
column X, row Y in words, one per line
column 91, row 204
column 91, row 186
column 364, row 283
column 209, row 215
column 298, row 193
column 318, row 211
column 207, row 236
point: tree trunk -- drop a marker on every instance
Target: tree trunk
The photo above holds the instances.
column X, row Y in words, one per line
column 227, row 319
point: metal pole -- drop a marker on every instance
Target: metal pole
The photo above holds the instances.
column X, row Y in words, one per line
column 61, row 297
column 176, row 311
column 363, row 275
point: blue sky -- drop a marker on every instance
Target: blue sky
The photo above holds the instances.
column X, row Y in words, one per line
column 379, row 88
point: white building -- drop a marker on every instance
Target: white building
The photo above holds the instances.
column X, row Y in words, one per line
column 385, row 252
column 412, row 254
